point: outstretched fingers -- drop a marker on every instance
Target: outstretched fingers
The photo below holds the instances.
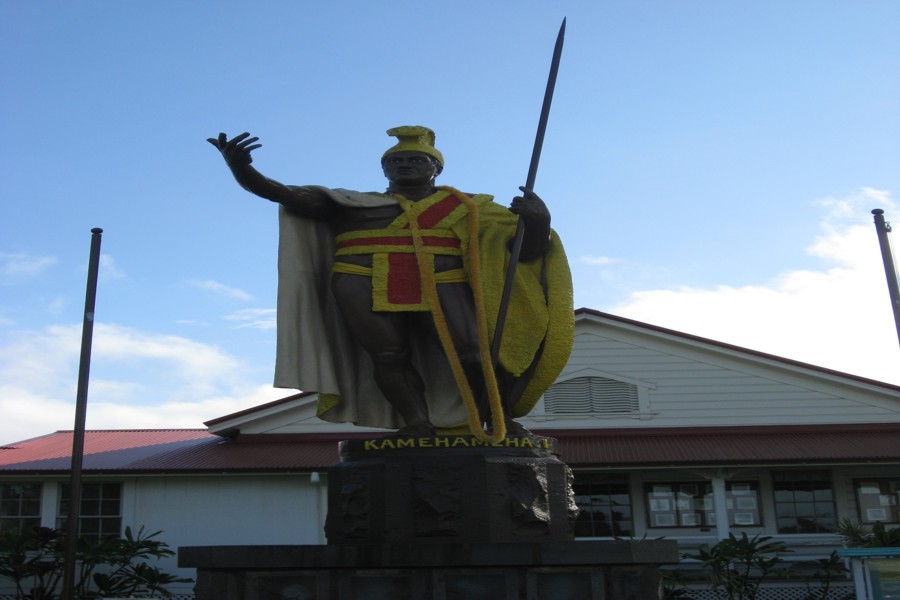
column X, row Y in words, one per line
column 236, row 150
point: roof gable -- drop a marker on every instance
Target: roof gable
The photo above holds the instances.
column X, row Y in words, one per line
column 689, row 381
column 684, row 380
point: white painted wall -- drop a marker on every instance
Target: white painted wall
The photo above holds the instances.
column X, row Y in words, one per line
column 690, row 384
column 234, row 509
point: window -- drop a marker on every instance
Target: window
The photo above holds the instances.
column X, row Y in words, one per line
column 690, row 504
column 742, row 500
column 804, row 501
column 679, row 504
column 100, row 514
column 586, row 395
column 20, row 506
column 879, row 500
column 605, row 506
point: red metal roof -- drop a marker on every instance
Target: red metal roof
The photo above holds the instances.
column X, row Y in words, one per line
column 196, row 451
column 732, row 445
column 102, row 449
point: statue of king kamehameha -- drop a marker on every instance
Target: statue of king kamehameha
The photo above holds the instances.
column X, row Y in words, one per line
column 387, row 302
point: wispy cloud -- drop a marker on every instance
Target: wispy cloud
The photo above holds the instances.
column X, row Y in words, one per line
column 837, row 317
column 598, row 260
column 254, row 318
column 138, row 379
column 24, row 265
column 222, row 289
column 109, row 269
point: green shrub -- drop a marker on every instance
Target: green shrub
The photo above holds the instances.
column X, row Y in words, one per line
column 113, row 567
column 737, row 566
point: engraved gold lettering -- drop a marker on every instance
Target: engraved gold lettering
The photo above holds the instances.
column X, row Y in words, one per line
column 410, row 443
column 425, row 442
column 371, row 445
column 441, row 442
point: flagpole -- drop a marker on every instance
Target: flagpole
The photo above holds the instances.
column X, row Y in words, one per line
column 890, row 271
column 87, row 333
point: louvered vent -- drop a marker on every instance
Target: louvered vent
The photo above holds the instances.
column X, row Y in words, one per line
column 584, row 395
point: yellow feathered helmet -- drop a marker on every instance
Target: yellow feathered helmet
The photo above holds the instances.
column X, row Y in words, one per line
column 414, row 138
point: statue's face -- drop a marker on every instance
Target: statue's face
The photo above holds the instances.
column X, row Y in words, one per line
column 409, row 168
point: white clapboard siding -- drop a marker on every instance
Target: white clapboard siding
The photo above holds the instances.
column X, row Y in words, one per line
column 685, row 381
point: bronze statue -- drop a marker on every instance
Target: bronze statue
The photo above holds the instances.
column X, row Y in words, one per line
column 387, row 301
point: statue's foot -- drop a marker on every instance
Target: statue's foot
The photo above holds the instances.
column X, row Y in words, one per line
column 421, row 429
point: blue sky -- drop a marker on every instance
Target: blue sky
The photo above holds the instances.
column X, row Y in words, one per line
column 711, row 167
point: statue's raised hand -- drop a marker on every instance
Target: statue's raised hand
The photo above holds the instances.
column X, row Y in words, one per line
column 236, row 151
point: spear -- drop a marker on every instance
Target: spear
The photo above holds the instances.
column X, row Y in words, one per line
column 529, row 183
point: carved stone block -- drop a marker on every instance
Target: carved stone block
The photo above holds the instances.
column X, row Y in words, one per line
column 449, row 490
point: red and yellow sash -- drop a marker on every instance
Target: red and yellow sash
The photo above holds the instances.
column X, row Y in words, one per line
column 396, row 280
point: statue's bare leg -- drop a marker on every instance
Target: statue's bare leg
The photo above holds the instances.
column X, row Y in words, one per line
column 459, row 310
column 385, row 337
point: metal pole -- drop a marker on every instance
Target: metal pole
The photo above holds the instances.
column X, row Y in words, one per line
column 84, row 368
column 890, row 270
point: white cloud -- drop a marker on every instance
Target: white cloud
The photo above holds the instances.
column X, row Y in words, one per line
column 188, row 415
column 24, row 265
column 222, row 289
column 109, row 269
column 254, row 318
column 138, row 380
column 598, row 260
column 838, row 317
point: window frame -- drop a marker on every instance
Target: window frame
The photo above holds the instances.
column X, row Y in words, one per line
column 885, row 502
column 102, row 523
column 689, row 504
column 679, row 504
column 23, row 522
column 593, row 485
column 821, row 523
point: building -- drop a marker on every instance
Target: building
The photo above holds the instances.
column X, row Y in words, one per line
column 668, row 434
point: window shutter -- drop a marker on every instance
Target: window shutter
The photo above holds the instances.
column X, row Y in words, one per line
column 598, row 395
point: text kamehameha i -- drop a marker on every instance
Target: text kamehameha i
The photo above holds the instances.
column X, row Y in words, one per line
column 454, row 442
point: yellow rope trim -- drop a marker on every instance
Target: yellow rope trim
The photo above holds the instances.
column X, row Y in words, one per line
column 487, row 364
column 430, row 289
column 392, row 232
column 389, row 249
column 350, row 269
column 448, row 276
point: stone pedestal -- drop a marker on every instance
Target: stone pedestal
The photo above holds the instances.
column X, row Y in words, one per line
column 614, row 570
column 449, row 489
column 444, row 518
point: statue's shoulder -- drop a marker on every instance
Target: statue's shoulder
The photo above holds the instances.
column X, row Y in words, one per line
column 477, row 198
column 355, row 199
